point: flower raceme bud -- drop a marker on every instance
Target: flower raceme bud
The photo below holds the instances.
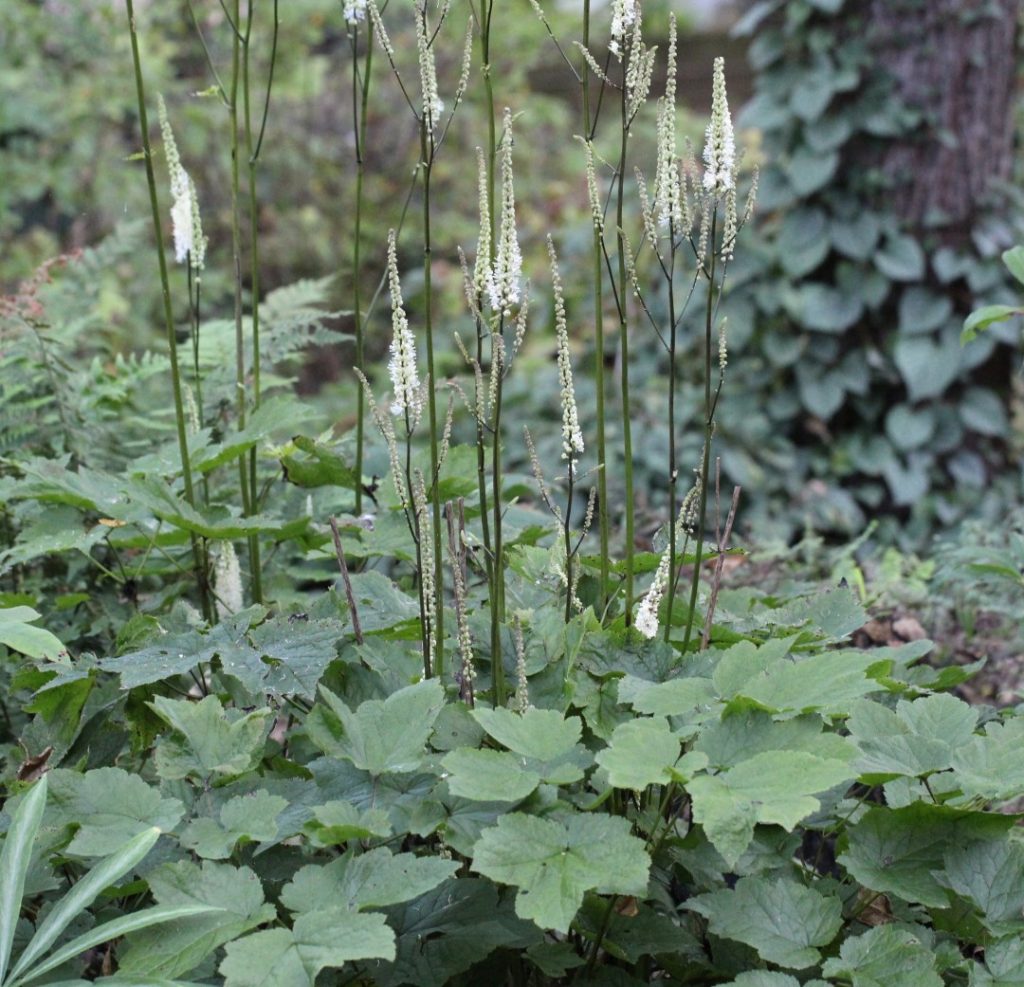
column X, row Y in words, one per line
column 624, row 16
column 353, row 11
column 720, row 143
column 189, row 241
column 405, row 382
column 504, row 284
column 572, row 436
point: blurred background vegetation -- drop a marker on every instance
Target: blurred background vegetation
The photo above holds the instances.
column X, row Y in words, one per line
column 886, row 135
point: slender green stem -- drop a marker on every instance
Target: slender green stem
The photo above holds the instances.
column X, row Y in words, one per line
column 236, row 251
column 360, row 103
column 567, row 536
column 202, row 578
column 598, row 275
column 435, row 491
column 673, row 464
column 253, row 153
column 709, row 429
column 498, row 594
column 623, row 294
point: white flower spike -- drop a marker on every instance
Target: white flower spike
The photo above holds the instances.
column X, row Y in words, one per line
column 720, row 143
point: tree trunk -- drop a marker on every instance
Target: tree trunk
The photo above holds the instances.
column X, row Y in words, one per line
column 955, row 62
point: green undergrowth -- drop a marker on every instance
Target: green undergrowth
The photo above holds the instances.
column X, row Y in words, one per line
column 777, row 807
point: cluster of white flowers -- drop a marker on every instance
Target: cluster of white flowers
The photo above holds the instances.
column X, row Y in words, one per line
column 405, row 382
column 624, row 16
column 646, row 620
column 504, row 281
column 433, row 107
column 572, row 436
column 189, row 242
column 720, row 143
column 227, row 579
column 667, row 192
column 353, row 11
column 482, row 269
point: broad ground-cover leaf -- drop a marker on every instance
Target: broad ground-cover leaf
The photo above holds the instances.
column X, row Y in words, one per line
column 109, row 806
column 1004, row 964
column 172, row 950
column 488, row 776
column 251, row 817
column 991, row 765
column 917, row 738
column 18, row 634
column 293, row 957
column 381, row 736
column 900, row 851
column 547, row 739
column 672, row 698
column 827, row 681
column 554, row 863
column 445, row 931
column 370, row 880
column 783, row 920
column 645, row 752
column 208, row 740
column 990, row 874
column 740, row 735
column 882, row 957
column 774, row 787
column 337, row 822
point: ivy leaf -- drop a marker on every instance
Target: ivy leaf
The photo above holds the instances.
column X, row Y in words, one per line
column 368, row 880
column 555, row 863
column 489, row 776
column 927, row 368
column 775, row 787
column 901, row 258
column 824, row 308
column 208, row 740
column 990, row 874
column 176, row 948
column 109, row 807
column 784, row 921
column 915, row 739
column 447, row 930
column 900, row 851
column 381, row 736
column 923, row 310
column 885, row 955
column 990, row 766
column 645, row 752
column 18, row 634
column 252, row 818
column 809, row 171
column 293, row 958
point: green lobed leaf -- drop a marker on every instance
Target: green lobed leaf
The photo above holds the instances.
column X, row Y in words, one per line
column 489, row 776
column 784, row 921
column 901, row 851
column 543, row 734
column 915, row 739
column 373, row 879
column 250, row 818
column 645, row 751
column 208, row 740
column 775, row 787
column 447, row 930
column 381, row 736
column 294, row 957
column 553, row 863
column 990, row 874
column 337, row 822
column 172, row 950
column 18, row 634
column 885, row 954
column 990, row 766
column 108, row 806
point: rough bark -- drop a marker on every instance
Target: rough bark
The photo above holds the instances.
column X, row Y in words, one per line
column 955, row 61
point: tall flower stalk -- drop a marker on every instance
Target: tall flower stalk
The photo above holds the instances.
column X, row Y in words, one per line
column 202, row 576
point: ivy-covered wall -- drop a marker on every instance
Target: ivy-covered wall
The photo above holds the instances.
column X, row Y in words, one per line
column 886, row 199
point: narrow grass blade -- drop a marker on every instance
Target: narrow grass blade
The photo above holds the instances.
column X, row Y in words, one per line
column 112, row 930
column 14, row 862
column 82, row 894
